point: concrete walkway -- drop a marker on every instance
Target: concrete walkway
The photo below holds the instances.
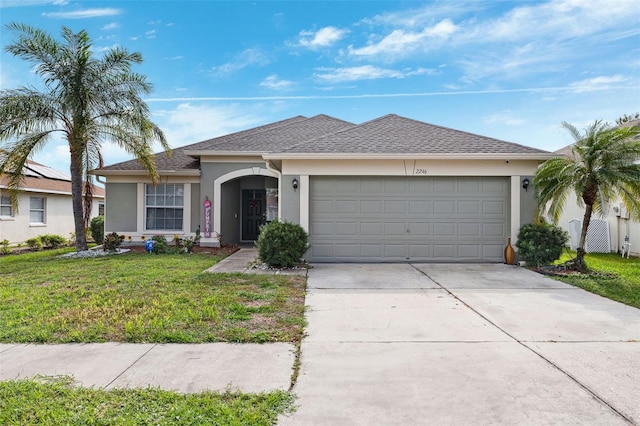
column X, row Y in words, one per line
column 179, row 367
column 245, row 261
column 463, row 345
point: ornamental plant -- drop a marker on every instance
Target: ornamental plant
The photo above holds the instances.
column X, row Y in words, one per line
column 96, row 226
column 282, row 244
column 112, row 241
column 540, row 243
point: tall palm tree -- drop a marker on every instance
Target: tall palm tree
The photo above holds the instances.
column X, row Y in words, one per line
column 602, row 167
column 89, row 100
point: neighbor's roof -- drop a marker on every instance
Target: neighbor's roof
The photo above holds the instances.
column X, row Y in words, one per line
column 390, row 135
column 41, row 178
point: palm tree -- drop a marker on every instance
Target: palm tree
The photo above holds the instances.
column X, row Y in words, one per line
column 602, row 167
column 86, row 99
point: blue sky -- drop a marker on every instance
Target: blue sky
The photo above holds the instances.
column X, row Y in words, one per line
column 509, row 70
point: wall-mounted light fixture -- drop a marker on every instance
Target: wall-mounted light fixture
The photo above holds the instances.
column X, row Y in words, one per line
column 525, row 183
column 294, row 183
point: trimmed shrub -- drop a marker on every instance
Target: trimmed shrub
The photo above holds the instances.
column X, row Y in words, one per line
column 541, row 244
column 53, row 241
column 96, row 226
column 282, row 244
column 4, row 247
column 112, row 241
column 35, row 243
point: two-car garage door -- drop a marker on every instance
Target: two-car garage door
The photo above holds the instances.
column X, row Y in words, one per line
column 400, row 219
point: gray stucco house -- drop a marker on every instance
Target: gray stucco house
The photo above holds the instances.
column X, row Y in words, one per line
column 391, row 189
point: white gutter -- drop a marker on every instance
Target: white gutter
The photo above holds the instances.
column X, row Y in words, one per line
column 421, row 156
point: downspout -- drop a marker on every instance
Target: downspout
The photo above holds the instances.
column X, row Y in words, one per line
column 272, row 168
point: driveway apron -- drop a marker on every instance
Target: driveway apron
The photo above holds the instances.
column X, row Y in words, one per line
column 402, row 344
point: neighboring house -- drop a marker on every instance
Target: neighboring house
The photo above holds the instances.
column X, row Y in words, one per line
column 391, row 189
column 620, row 225
column 44, row 205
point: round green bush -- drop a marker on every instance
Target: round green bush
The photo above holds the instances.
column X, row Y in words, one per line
column 541, row 244
column 282, row 244
column 96, row 226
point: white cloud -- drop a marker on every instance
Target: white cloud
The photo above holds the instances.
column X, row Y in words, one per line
column 150, row 34
column 187, row 124
column 110, row 26
column 83, row 14
column 273, row 83
column 504, row 117
column 597, row 83
column 21, row 3
column 365, row 72
column 403, row 43
column 324, row 37
column 244, row 59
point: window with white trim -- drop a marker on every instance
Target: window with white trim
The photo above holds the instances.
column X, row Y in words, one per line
column 6, row 208
column 100, row 209
column 37, row 210
column 164, row 207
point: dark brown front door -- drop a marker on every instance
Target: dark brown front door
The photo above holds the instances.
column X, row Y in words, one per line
column 253, row 213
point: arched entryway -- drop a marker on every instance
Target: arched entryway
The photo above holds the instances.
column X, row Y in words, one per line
column 244, row 200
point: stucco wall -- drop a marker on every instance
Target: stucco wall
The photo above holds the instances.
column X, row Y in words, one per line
column 59, row 218
column 196, row 206
column 290, row 199
column 121, row 208
column 527, row 201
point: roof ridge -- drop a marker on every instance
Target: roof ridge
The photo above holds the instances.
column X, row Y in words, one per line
column 254, row 130
column 350, row 126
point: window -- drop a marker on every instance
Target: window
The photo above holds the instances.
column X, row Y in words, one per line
column 164, row 207
column 6, row 209
column 37, row 212
column 100, row 209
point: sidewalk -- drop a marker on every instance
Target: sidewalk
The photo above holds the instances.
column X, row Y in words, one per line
column 179, row 367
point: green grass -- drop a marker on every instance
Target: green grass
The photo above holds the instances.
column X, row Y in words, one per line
column 138, row 297
column 57, row 402
column 612, row 276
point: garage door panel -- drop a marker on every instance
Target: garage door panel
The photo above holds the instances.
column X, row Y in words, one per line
column 496, row 207
column 468, row 230
column 446, row 229
column 395, row 206
column 493, row 230
column 347, row 206
column 444, row 206
column 408, row 218
column 420, row 206
column 472, row 207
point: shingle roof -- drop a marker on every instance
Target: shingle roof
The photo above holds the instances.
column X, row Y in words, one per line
column 41, row 178
column 268, row 138
column 392, row 134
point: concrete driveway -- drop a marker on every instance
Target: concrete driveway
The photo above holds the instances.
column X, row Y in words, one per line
column 401, row 344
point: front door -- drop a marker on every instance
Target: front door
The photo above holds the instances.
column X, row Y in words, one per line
column 253, row 213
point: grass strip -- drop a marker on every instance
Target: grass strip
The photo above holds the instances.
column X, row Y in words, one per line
column 56, row 401
column 611, row 276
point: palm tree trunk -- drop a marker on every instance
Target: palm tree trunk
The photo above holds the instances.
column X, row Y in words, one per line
column 580, row 264
column 76, row 198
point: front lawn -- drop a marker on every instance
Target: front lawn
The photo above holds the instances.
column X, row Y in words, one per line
column 139, row 297
column 612, row 276
column 27, row 402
